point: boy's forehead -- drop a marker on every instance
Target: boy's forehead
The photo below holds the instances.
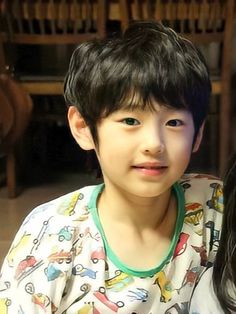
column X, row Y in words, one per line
column 136, row 103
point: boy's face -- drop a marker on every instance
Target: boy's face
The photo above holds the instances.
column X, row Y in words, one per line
column 143, row 152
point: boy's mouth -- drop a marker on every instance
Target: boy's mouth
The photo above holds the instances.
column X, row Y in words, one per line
column 150, row 165
column 150, row 169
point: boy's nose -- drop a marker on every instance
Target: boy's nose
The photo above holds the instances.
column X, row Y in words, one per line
column 153, row 143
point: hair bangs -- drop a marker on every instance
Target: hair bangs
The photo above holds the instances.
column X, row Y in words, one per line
column 132, row 87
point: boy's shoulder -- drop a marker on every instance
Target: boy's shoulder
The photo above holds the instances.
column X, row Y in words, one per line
column 65, row 207
column 201, row 182
column 200, row 177
column 203, row 197
column 52, row 228
column 205, row 190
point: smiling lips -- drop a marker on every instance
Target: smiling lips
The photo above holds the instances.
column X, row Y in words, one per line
column 150, row 168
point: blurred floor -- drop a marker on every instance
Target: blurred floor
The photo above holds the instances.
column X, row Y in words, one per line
column 13, row 211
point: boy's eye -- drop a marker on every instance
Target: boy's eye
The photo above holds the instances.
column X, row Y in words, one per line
column 174, row 122
column 131, row 121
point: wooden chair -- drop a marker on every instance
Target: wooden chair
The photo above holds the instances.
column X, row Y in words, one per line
column 47, row 31
column 15, row 112
column 47, row 23
column 203, row 22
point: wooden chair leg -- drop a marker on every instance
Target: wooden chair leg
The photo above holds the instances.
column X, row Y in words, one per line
column 126, row 14
column 225, row 130
column 11, row 174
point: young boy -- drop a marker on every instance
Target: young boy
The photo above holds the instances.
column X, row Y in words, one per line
column 138, row 242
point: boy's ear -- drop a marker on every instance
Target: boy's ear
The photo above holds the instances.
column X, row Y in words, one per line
column 80, row 129
column 198, row 139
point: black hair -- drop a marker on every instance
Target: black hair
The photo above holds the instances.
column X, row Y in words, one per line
column 224, row 271
column 148, row 63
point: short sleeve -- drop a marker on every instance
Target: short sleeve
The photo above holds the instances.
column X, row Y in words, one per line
column 35, row 270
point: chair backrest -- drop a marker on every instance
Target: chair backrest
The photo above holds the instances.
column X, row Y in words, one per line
column 53, row 21
column 6, row 115
column 16, row 107
column 203, row 21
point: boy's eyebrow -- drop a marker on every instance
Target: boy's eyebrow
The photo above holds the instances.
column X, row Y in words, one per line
column 173, row 109
column 152, row 108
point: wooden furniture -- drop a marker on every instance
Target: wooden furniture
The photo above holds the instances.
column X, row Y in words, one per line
column 203, row 22
column 15, row 111
column 47, row 23
column 44, row 29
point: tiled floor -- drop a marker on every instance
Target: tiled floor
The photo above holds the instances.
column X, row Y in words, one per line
column 13, row 211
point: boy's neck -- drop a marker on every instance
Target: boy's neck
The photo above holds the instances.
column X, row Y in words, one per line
column 137, row 212
column 137, row 227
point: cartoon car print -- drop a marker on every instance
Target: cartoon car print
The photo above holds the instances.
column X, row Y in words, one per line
column 38, row 298
column 40, row 235
column 165, row 286
column 60, row 257
column 24, row 240
column 98, row 255
column 101, row 296
column 87, row 233
column 4, row 304
column 83, row 272
column 119, row 281
column 83, row 216
column 202, row 252
column 68, row 206
column 41, row 299
column 194, row 213
column 65, row 234
column 139, row 294
column 24, row 265
column 185, row 185
column 181, row 245
column 216, row 201
column 215, row 234
column 191, row 276
column 88, row 308
column 52, row 272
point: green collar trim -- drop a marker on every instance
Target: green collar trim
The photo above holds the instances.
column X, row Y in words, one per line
column 178, row 190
